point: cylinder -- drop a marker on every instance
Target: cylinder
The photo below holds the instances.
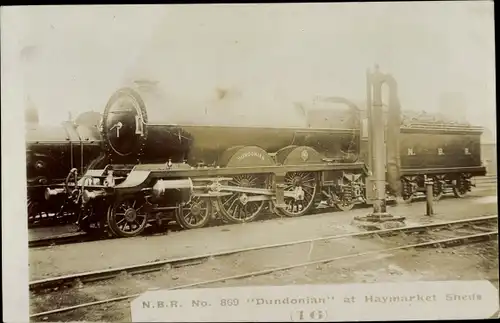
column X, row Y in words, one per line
column 174, row 184
column 88, row 195
column 53, row 192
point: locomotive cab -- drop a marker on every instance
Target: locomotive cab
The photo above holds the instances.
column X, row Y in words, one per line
column 123, row 123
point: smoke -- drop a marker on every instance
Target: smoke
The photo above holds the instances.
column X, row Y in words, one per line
column 273, row 55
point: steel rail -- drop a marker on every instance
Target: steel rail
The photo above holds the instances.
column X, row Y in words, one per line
column 442, row 242
column 61, row 239
column 486, row 179
column 183, row 261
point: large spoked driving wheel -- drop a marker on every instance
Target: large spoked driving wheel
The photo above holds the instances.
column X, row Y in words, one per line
column 304, row 185
column 195, row 214
column 239, row 207
column 127, row 217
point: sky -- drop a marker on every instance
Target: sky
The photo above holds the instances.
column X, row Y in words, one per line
column 266, row 57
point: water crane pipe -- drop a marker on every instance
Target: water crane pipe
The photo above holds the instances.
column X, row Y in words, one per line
column 378, row 148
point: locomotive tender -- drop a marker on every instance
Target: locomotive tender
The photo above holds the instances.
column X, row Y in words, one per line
column 159, row 170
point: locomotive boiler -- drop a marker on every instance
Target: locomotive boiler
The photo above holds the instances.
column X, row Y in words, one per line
column 140, row 128
column 51, row 151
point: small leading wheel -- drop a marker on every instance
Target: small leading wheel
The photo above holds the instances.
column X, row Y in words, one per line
column 127, row 217
column 304, row 185
column 195, row 214
column 238, row 207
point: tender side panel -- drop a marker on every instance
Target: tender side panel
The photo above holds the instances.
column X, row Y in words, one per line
column 439, row 150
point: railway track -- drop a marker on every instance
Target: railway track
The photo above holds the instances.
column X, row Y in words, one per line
column 473, row 230
column 485, row 180
column 61, row 239
column 49, row 220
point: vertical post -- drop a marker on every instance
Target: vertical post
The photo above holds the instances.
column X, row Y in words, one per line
column 379, row 205
column 430, row 197
column 369, row 118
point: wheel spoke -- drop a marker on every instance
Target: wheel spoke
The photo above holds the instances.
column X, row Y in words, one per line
column 232, row 208
column 197, row 216
column 307, row 180
column 307, row 192
column 232, row 197
column 237, row 211
column 235, row 203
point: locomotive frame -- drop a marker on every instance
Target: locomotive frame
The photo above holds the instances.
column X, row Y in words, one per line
column 283, row 196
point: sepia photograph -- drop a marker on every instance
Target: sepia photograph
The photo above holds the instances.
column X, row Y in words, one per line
column 249, row 162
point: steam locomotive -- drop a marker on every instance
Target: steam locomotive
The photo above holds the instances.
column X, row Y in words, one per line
column 159, row 170
column 51, row 151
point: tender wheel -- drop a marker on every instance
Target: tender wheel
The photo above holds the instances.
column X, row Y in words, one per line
column 408, row 198
column 237, row 208
column 459, row 190
column 305, row 184
column 196, row 214
column 345, row 205
column 437, row 190
column 127, row 217
column 408, row 194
